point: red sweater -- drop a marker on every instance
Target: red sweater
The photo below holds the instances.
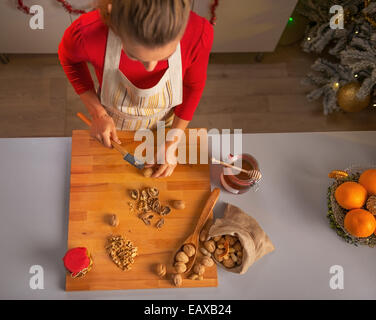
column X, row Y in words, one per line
column 85, row 41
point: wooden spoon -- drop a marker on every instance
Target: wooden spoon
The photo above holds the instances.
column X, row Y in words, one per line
column 194, row 237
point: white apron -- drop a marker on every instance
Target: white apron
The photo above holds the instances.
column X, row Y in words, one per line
column 133, row 108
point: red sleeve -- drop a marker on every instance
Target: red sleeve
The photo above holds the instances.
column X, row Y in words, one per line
column 73, row 57
column 195, row 76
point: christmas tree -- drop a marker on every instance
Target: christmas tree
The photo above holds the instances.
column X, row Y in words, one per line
column 347, row 81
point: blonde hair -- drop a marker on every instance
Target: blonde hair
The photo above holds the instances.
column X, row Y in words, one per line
column 152, row 23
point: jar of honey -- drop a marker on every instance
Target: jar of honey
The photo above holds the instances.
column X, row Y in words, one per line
column 236, row 181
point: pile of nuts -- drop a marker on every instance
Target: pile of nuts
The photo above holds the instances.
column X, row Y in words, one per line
column 199, row 268
column 225, row 249
column 121, row 251
column 147, row 203
column 182, row 257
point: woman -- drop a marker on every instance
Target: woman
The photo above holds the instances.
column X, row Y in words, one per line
column 150, row 58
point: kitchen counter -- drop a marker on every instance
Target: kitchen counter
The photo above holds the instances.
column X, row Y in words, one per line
column 290, row 205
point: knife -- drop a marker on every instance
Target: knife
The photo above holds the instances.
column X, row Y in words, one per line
column 126, row 155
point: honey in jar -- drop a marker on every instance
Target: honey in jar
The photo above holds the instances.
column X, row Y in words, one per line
column 239, row 182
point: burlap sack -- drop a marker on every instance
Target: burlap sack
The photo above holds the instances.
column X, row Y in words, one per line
column 254, row 240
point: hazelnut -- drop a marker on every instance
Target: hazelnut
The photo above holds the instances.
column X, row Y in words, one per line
column 229, row 263
column 189, row 249
column 180, row 267
column 233, row 257
column 221, row 241
column 199, row 269
column 210, row 245
column 203, row 235
column 181, row 257
column 217, row 255
column 147, row 172
column 177, row 279
column 230, row 239
column 161, row 269
column 178, row 204
column 207, row 262
column 114, row 220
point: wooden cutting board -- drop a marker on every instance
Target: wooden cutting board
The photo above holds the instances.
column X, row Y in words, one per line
column 99, row 184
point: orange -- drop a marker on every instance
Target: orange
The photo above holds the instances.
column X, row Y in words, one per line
column 368, row 180
column 360, row 223
column 351, row 195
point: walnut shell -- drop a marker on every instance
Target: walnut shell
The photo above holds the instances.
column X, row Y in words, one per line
column 189, row 249
column 135, row 194
column 199, row 269
column 210, row 245
column 161, row 269
column 178, row 204
column 177, row 279
column 207, row 262
column 114, row 220
column 180, row 267
column 181, row 256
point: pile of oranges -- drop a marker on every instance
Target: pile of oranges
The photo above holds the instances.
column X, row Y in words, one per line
column 352, row 196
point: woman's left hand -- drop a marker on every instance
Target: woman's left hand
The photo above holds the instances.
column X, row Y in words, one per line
column 162, row 170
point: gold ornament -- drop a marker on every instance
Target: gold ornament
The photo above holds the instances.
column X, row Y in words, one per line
column 347, row 99
column 371, row 204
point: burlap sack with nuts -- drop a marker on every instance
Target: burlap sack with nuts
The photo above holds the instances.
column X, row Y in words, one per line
column 254, row 240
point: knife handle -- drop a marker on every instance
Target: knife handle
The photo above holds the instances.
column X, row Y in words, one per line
column 117, row 146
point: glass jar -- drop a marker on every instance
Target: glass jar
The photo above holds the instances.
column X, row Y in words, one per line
column 235, row 181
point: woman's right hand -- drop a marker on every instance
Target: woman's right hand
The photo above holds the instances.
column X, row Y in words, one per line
column 103, row 129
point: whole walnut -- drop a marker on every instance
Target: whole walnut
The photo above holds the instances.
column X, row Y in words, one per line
column 180, row 267
column 178, row 204
column 207, row 261
column 182, row 257
column 189, row 249
column 177, row 279
column 217, row 255
column 210, row 245
column 147, row 172
column 199, row 269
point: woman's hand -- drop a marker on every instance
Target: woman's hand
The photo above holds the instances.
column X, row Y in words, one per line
column 103, row 129
column 166, row 169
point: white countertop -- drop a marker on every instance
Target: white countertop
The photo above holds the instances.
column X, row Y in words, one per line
column 290, row 206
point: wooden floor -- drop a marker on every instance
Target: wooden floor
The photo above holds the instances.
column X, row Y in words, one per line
column 36, row 100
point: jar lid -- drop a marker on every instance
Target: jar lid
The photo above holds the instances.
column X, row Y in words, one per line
column 76, row 260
